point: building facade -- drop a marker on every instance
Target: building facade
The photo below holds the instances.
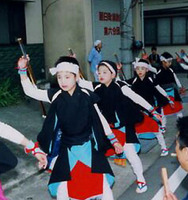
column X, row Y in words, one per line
column 49, row 28
column 166, row 25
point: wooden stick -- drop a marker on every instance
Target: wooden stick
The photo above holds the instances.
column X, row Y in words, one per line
column 165, row 180
column 30, row 73
column 117, row 60
column 80, row 70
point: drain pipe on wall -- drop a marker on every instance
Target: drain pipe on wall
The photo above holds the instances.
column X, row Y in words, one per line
column 126, row 24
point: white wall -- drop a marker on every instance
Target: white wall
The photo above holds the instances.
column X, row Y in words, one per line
column 111, row 43
column 34, row 27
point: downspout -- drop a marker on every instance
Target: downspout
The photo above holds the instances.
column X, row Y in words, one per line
column 126, row 36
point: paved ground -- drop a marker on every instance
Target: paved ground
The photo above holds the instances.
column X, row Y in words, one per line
column 25, row 182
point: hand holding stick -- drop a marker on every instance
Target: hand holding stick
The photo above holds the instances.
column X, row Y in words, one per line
column 119, row 66
column 72, row 54
column 30, row 73
column 165, row 180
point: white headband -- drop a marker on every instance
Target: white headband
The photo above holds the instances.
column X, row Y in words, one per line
column 109, row 67
column 140, row 64
column 164, row 59
column 65, row 66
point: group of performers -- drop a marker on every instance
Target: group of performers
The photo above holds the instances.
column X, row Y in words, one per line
column 90, row 121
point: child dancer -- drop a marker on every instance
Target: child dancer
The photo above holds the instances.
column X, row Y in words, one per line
column 121, row 113
column 7, row 159
column 143, row 85
column 168, row 80
column 81, row 161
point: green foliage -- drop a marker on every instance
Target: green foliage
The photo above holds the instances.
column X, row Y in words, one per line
column 9, row 93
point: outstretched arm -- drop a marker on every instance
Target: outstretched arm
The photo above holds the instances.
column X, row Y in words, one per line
column 29, row 88
column 135, row 97
column 141, row 101
column 11, row 134
column 108, row 132
column 86, row 84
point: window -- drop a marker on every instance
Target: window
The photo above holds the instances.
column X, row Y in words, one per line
column 12, row 23
column 150, row 31
column 179, row 30
column 163, row 31
column 166, row 31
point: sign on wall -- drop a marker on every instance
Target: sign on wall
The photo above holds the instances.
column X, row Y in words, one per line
column 106, row 26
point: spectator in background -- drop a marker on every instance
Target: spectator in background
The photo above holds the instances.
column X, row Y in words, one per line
column 95, row 57
column 154, row 57
column 181, row 151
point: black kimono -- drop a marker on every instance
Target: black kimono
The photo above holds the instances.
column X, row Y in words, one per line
column 146, row 89
column 118, row 109
column 167, row 79
column 80, row 125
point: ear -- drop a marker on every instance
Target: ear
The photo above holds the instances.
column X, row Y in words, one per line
column 77, row 77
column 113, row 75
column 186, row 151
column 147, row 70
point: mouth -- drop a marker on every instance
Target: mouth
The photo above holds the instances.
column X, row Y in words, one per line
column 64, row 86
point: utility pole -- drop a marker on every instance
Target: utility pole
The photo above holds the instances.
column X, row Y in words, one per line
column 126, row 25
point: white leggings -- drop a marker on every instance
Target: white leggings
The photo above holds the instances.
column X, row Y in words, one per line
column 62, row 192
column 134, row 160
column 161, row 140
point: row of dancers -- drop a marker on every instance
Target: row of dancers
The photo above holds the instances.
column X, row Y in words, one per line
column 90, row 121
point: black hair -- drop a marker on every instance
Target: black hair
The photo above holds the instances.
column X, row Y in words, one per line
column 182, row 125
column 166, row 55
column 112, row 64
column 144, row 61
column 67, row 59
column 154, row 48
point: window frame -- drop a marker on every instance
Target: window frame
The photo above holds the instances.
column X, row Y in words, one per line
column 20, row 6
column 155, row 18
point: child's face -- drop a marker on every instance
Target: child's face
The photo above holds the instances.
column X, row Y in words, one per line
column 67, row 81
column 166, row 64
column 182, row 156
column 105, row 75
column 141, row 71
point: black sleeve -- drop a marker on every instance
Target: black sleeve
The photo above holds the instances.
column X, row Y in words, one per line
column 94, row 97
column 51, row 92
column 123, row 83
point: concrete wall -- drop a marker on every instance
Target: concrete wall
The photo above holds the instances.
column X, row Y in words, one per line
column 111, row 40
column 67, row 24
column 33, row 18
column 137, row 22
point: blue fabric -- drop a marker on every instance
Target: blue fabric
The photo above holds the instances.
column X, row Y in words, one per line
column 53, row 189
column 80, row 153
column 148, row 135
column 186, row 198
column 170, row 92
column 110, row 179
column 94, row 57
